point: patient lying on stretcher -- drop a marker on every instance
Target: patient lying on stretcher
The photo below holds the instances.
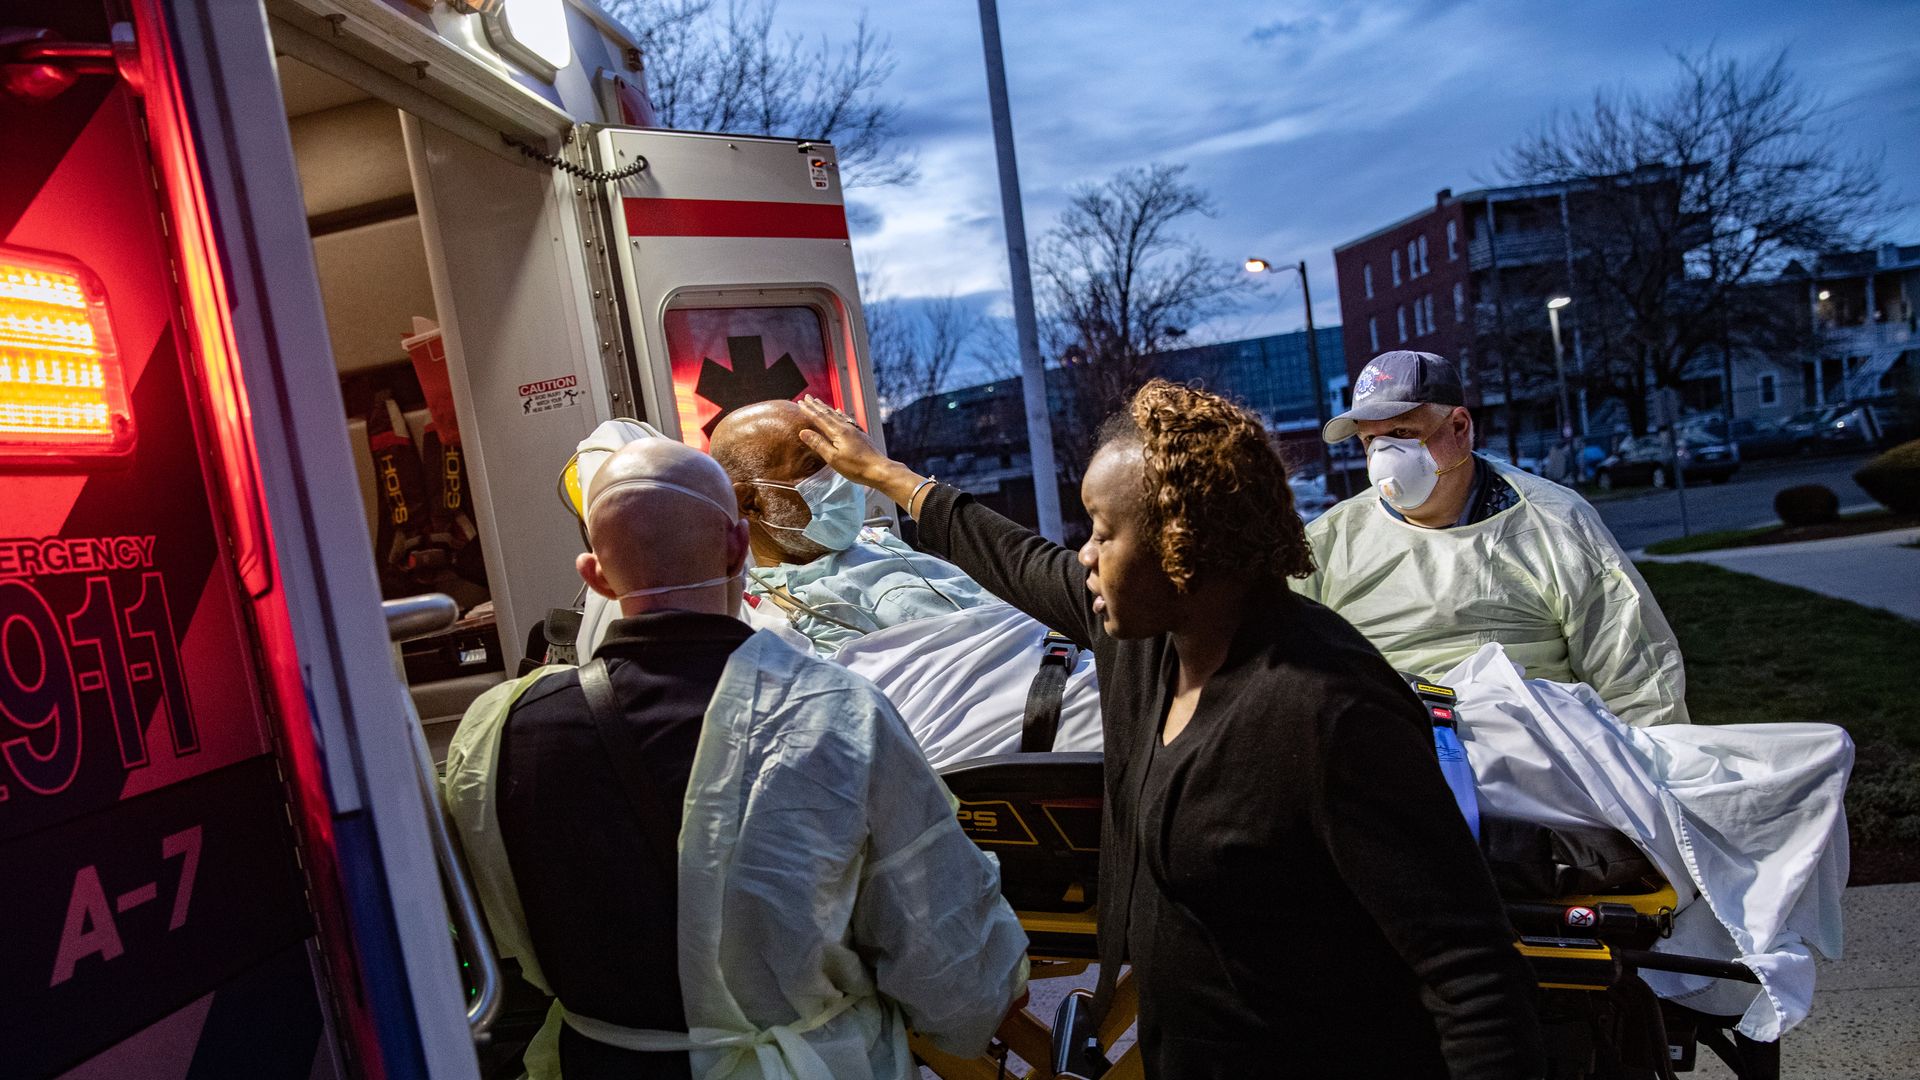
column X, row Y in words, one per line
column 959, row 664
column 815, row 569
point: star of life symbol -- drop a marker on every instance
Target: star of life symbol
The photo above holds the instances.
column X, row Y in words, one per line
column 1580, row 916
column 1368, row 380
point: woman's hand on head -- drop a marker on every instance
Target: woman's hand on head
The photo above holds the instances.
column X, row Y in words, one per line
column 848, row 451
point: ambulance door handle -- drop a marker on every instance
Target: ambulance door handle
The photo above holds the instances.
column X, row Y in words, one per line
column 467, row 919
column 412, row 617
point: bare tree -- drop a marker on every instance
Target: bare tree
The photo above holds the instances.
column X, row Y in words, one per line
column 728, row 69
column 1686, row 203
column 996, row 349
column 1120, row 284
column 915, row 354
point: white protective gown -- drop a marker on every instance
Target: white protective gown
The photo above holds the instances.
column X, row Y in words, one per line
column 1747, row 822
column 827, row 895
column 1544, row 578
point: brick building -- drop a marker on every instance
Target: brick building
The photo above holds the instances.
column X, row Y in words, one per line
column 1469, row 278
column 1408, row 285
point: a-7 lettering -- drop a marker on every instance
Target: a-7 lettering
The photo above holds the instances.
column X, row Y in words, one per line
column 186, row 844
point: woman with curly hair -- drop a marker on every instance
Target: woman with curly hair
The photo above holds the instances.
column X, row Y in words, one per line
column 1281, row 861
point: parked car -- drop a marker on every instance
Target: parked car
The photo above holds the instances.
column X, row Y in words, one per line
column 1847, row 427
column 1857, row 425
column 1757, row 439
column 1310, row 498
column 1643, row 460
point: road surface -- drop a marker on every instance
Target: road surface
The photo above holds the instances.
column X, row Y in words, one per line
column 1742, row 502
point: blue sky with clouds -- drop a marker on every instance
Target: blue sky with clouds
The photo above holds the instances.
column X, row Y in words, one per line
column 1310, row 122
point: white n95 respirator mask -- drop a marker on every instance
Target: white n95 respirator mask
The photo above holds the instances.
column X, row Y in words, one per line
column 838, row 506
column 1405, row 470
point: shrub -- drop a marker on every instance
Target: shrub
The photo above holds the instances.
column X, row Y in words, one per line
column 1893, row 478
column 1807, row 504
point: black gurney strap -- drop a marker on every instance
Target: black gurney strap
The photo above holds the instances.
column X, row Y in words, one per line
column 662, row 828
column 1046, row 693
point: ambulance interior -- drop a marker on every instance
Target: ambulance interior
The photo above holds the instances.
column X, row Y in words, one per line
column 424, row 219
column 371, row 254
column 371, row 257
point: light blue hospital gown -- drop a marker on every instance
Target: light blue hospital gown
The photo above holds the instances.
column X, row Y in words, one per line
column 878, row 582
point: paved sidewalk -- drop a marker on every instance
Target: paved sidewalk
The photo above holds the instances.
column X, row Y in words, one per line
column 1873, row 569
column 1865, row 1006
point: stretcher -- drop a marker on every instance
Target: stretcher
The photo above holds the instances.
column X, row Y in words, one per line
column 1039, row 814
column 1586, row 905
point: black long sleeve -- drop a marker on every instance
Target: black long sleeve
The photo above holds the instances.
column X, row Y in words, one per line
column 1025, row 569
column 1385, row 815
column 1291, row 871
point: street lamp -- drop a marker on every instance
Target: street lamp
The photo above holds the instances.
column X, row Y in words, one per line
column 1261, row 266
column 1554, row 305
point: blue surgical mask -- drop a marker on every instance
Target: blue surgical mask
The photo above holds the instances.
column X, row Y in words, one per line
column 837, row 504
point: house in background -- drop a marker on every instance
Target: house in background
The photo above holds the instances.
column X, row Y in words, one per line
column 1861, row 305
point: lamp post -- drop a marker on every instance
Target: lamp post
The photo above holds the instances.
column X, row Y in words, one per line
column 1261, row 266
column 1033, row 372
column 1560, row 375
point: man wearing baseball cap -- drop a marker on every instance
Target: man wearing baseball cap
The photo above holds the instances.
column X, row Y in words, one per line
column 1448, row 550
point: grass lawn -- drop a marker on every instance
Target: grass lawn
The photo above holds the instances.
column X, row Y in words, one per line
column 1760, row 651
column 1866, row 521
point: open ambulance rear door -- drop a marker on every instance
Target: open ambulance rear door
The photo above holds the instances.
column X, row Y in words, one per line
column 214, row 859
column 735, row 262
column 715, row 272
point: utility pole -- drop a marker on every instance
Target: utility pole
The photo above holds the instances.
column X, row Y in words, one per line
column 1579, row 353
column 1033, row 373
column 1319, row 382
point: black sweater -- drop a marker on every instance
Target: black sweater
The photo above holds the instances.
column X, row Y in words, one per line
column 1306, row 899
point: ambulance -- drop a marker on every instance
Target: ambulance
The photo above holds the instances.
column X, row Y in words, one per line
column 303, row 306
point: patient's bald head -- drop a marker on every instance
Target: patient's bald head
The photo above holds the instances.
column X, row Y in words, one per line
column 659, row 514
column 761, row 442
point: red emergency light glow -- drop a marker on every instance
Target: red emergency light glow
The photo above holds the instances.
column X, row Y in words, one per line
column 62, row 390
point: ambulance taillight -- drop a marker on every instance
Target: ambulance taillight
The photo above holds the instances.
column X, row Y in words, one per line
column 63, row 393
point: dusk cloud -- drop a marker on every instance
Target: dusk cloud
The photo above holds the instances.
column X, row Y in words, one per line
column 1309, row 123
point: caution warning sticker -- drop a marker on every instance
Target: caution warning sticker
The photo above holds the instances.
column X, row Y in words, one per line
column 550, row 394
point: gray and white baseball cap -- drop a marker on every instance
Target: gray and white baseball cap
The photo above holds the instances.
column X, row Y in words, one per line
column 1393, row 383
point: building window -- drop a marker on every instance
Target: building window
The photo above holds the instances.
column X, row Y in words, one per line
column 1453, row 240
column 1459, row 301
column 1373, row 333
column 1395, row 261
column 1403, row 322
column 1366, row 278
column 1769, row 390
column 1413, row 260
column 1429, row 301
column 1425, row 267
